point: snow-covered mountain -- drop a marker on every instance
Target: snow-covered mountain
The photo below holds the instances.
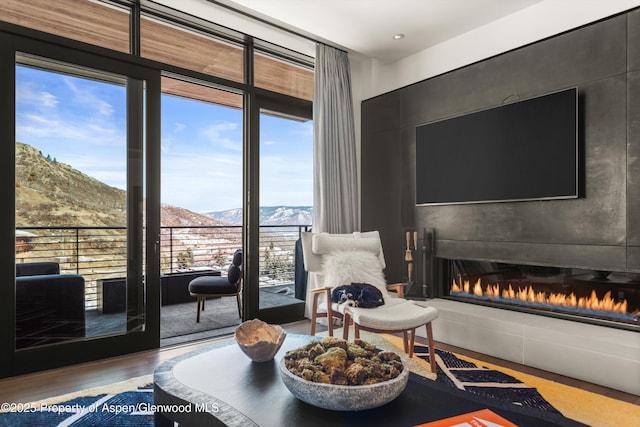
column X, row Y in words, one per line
column 269, row 215
column 230, row 216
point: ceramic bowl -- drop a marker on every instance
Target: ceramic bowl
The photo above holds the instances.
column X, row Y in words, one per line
column 344, row 397
column 259, row 340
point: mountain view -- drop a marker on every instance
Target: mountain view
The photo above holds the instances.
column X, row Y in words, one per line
column 269, row 215
column 52, row 193
column 55, row 198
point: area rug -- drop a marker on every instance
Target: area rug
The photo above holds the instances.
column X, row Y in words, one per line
column 467, row 376
column 130, row 403
column 126, row 403
column 498, row 382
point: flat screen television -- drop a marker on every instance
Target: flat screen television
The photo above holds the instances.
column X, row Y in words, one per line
column 526, row 150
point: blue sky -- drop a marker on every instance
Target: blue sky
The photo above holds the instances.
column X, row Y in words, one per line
column 81, row 122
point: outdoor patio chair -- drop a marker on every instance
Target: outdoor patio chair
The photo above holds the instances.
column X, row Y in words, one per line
column 219, row 286
column 342, row 259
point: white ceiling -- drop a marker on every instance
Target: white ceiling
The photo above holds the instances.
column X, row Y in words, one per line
column 366, row 27
column 440, row 35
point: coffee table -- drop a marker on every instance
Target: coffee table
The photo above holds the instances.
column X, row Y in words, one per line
column 220, row 385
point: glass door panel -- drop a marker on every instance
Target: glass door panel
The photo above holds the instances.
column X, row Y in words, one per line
column 201, row 213
column 79, row 192
column 286, row 200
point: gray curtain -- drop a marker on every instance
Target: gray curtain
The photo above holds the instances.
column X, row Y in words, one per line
column 335, row 198
column 335, row 195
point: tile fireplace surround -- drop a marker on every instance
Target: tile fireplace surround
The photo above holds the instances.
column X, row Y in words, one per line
column 606, row 356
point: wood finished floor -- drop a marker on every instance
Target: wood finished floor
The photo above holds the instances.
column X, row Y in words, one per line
column 41, row 385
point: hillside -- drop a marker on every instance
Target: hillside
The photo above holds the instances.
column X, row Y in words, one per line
column 55, row 194
column 175, row 217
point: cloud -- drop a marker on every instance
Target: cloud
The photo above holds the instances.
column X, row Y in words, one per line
column 40, row 120
column 47, row 99
column 27, row 94
column 104, row 108
column 222, row 134
column 70, row 113
column 85, row 95
column 32, row 127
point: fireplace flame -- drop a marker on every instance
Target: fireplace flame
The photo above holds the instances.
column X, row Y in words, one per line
column 530, row 295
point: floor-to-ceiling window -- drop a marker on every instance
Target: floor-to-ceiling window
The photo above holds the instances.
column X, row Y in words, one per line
column 201, row 213
column 286, row 200
column 71, row 203
column 84, row 80
column 285, row 182
column 80, row 183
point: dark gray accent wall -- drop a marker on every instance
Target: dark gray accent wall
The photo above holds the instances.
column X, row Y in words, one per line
column 633, row 143
column 600, row 230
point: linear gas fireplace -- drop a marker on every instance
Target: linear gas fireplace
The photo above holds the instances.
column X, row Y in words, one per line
column 600, row 297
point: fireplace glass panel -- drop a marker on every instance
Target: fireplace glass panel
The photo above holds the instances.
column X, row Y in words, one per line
column 589, row 295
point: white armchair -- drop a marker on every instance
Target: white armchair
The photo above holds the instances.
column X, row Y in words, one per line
column 342, row 259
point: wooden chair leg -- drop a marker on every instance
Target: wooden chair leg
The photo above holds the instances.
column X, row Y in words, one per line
column 327, row 299
column 203, row 301
column 356, row 329
column 346, row 321
column 405, row 341
column 314, row 314
column 432, row 351
column 330, row 324
column 412, row 342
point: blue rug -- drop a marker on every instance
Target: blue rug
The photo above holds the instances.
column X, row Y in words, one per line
column 129, row 408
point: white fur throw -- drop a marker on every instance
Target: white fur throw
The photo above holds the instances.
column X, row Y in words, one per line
column 346, row 267
column 323, row 244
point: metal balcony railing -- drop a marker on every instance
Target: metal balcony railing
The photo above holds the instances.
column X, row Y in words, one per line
column 101, row 252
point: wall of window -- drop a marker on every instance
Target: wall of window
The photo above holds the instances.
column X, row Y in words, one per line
column 135, row 36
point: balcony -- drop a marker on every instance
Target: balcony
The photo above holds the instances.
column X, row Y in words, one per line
column 100, row 252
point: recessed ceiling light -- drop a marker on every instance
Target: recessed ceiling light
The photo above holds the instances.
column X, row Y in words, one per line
column 398, row 36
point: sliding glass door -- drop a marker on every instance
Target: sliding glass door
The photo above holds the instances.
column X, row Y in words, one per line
column 86, row 245
column 285, row 200
column 201, row 210
column 80, row 162
column 71, row 211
